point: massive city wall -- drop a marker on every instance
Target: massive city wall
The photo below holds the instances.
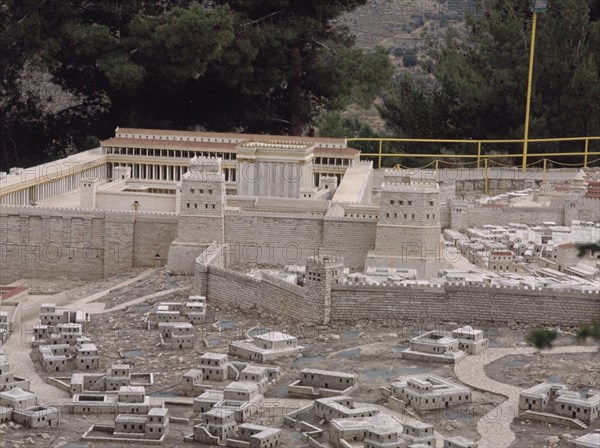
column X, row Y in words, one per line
column 88, row 244
column 280, row 239
column 463, row 303
column 269, row 293
column 465, row 214
column 354, row 301
column 531, row 216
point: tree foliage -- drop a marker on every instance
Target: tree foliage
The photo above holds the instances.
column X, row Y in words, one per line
column 541, row 338
column 589, row 331
column 249, row 65
column 480, row 81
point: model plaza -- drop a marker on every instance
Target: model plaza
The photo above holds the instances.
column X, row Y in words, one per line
column 258, row 291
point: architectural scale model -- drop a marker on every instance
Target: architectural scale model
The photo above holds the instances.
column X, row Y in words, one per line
column 259, row 291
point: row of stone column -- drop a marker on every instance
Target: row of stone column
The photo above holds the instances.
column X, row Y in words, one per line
column 51, row 188
column 173, row 173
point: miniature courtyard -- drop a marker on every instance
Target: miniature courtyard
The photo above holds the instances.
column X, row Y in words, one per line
column 369, row 354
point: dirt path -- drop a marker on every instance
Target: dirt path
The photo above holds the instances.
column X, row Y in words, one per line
column 165, row 292
column 494, row 427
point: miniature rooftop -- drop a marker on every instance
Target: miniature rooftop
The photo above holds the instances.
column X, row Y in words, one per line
column 328, row 373
column 274, row 336
column 17, row 394
column 381, row 420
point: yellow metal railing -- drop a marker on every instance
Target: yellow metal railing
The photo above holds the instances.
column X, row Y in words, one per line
column 479, row 156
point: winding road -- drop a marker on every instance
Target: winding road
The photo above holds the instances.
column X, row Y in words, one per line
column 494, row 427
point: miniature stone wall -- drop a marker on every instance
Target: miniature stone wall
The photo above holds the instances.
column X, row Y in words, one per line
column 273, row 238
column 465, row 214
column 463, row 303
column 87, row 244
column 350, row 302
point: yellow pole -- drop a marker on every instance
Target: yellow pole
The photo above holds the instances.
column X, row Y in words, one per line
column 529, row 83
column 485, row 175
column 544, row 177
column 380, row 151
column 478, row 153
column 585, row 152
column 437, row 162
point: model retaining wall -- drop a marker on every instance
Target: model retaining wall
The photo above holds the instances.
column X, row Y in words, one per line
column 464, row 303
column 88, row 244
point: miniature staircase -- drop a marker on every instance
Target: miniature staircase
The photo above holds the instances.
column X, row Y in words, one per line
column 580, row 423
column 233, row 372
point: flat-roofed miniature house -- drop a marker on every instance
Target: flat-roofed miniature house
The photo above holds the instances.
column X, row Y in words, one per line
column 266, row 347
column 129, row 400
column 275, row 340
column 66, row 333
column 176, row 335
column 5, row 414
column 582, row 406
column 54, row 357
column 158, row 423
column 591, row 440
column 470, row 340
column 153, row 426
column 322, row 383
column 191, row 378
column 8, row 380
column 427, row 392
column 214, row 366
column 37, row 417
column 5, row 326
column 207, row 400
column 18, row 399
column 192, row 311
column 256, row 374
column 242, row 398
column 344, row 432
column 540, row 397
column 215, row 428
column 50, row 314
column 130, row 426
column 573, row 408
column 118, row 376
column 459, row 442
column 383, row 438
column 341, row 407
column 418, row 433
column 241, row 391
column 259, row 436
column 132, row 394
column 87, row 357
column 437, row 346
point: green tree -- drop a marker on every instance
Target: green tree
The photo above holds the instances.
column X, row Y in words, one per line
column 541, row 338
column 483, row 77
column 589, row 331
column 415, row 109
column 304, row 63
column 256, row 66
column 19, row 41
column 409, row 58
column 333, row 124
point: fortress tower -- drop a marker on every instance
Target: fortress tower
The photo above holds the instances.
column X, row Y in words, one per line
column 87, row 193
column 201, row 218
column 321, row 272
column 408, row 229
